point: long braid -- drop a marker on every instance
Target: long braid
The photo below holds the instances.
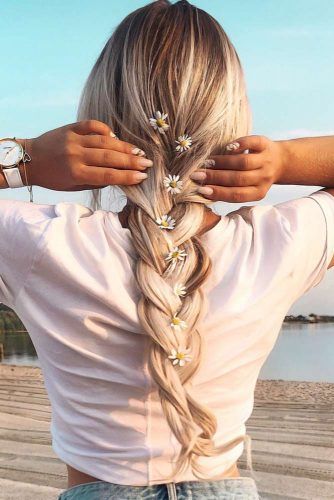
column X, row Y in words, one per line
column 176, row 58
column 193, row 424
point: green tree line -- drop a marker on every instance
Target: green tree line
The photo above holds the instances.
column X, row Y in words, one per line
column 9, row 320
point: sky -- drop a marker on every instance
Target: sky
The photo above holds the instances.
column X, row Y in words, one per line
column 286, row 50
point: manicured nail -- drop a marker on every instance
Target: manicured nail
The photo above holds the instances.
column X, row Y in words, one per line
column 232, row 146
column 138, row 152
column 198, row 176
column 140, row 176
column 209, row 163
column 144, row 162
column 114, row 136
column 205, row 190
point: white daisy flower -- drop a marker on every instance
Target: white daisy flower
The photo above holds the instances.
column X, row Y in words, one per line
column 176, row 254
column 165, row 222
column 178, row 323
column 179, row 289
column 180, row 356
column 173, row 184
column 184, row 142
column 159, row 122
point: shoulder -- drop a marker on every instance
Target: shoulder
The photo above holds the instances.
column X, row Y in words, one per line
column 22, row 220
column 249, row 239
column 25, row 210
column 16, row 210
column 73, row 210
column 262, row 223
column 26, row 221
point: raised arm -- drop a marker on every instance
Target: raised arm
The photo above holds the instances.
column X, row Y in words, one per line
column 307, row 161
column 80, row 156
column 237, row 177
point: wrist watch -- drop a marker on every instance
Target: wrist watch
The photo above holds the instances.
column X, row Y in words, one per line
column 11, row 155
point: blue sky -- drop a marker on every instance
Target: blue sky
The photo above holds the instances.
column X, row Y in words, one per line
column 286, row 49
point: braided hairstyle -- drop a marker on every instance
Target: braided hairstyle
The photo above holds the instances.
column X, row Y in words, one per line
column 176, row 60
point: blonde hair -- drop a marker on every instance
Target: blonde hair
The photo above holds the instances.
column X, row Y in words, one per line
column 175, row 58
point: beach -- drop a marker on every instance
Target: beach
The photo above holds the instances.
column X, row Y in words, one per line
column 292, row 431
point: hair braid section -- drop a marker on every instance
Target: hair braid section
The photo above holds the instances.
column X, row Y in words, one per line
column 192, row 423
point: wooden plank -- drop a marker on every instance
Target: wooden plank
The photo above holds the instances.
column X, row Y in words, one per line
column 273, row 486
column 22, row 423
column 33, row 463
column 24, row 412
column 293, row 437
column 34, row 477
column 26, row 436
column 20, row 372
column 27, row 398
column 290, row 465
column 24, row 382
column 305, row 425
column 27, row 405
column 297, row 450
column 26, row 449
column 4, row 389
column 15, row 382
column 13, row 490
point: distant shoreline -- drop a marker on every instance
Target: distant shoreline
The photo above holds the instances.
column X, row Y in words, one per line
column 9, row 321
column 311, row 318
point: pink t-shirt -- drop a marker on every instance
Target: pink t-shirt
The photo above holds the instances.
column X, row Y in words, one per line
column 68, row 272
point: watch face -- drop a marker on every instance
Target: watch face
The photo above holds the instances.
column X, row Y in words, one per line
column 11, row 152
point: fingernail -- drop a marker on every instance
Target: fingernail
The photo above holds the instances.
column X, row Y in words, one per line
column 205, row 190
column 114, row 136
column 232, row 146
column 140, row 176
column 138, row 152
column 209, row 163
column 198, row 176
column 144, row 162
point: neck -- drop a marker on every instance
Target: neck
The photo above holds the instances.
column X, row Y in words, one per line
column 209, row 221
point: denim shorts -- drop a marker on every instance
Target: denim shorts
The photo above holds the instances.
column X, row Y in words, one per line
column 238, row 488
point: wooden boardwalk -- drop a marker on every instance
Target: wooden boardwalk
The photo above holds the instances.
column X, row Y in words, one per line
column 292, row 430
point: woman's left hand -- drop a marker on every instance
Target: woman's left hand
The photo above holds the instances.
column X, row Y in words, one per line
column 238, row 177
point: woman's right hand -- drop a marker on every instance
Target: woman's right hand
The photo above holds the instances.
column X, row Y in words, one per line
column 81, row 156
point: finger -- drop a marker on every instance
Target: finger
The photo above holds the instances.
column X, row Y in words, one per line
column 110, row 158
column 228, row 177
column 107, row 142
column 91, row 127
column 253, row 143
column 232, row 194
column 102, row 177
column 236, row 162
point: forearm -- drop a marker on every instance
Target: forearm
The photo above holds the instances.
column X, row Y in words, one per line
column 307, row 161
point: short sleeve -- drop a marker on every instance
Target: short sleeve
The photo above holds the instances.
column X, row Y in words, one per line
column 309, row 223
column 22, row 225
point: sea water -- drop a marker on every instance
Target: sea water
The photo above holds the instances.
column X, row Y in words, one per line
column 303, row 351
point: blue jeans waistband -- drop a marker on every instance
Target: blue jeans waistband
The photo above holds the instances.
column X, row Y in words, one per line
column 225, row 489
